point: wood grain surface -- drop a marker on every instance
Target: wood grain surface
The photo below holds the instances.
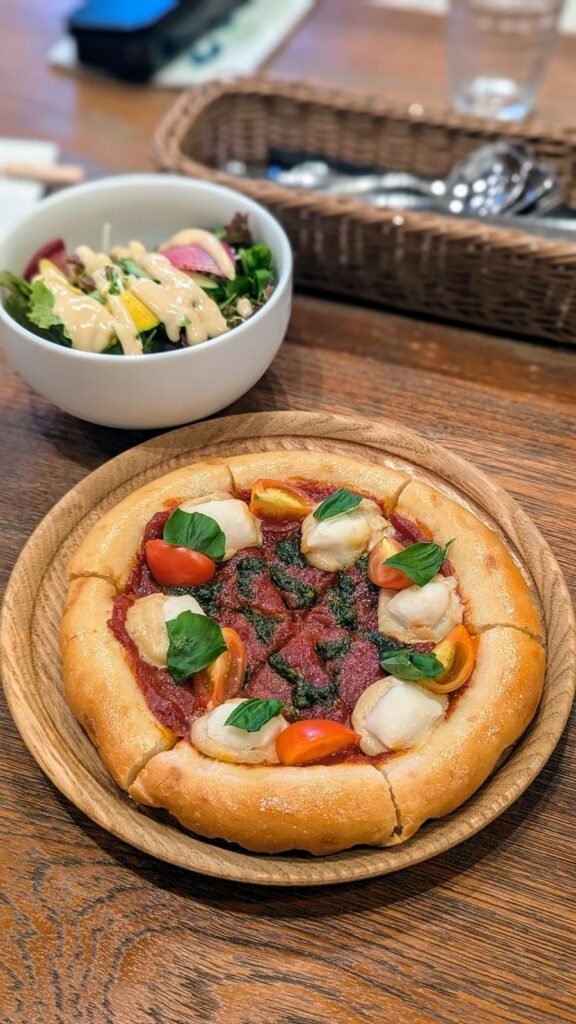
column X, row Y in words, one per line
column 91, row 930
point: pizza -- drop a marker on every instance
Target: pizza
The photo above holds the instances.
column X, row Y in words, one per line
column 294, row 650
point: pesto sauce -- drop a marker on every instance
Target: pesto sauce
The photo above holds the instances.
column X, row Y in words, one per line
column 362, row 564
column 341, row 602
column 384, row 644
column 264, row 625
column 304, row 694
column 306, row 595
column 331, row 649
column 248, row 568
column 288, row 551
column 207, row 595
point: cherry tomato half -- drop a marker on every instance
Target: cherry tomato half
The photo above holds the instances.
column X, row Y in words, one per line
column 458, row 652
column 385, row 575
column 173, row 566
column 312, row 739
column 223, row 678
column 275, row 499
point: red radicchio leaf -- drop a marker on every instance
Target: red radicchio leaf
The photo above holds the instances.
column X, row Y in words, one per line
column 54, row 251
column 194, row 257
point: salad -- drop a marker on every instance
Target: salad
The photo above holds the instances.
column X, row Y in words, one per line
column 128, row 300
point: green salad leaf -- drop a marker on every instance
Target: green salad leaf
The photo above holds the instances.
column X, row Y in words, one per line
column 41, row 307
column 130, row 267
column 18, row 296
column 32, row 306
column 254, row 274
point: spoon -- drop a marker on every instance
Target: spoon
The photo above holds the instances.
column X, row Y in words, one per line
column 541, row 192
column 489, row 180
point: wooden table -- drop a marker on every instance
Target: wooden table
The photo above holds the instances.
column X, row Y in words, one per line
column 91, row 930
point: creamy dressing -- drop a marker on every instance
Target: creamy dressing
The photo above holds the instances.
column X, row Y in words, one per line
column 124, row 327
column 207, row 241
column 88, row 324
column 244, row 308
column 173, row 296
column 126, row 330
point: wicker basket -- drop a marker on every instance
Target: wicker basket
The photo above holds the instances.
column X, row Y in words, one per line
column 446, row 267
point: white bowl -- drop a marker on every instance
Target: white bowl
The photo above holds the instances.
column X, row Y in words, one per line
column 162, row 389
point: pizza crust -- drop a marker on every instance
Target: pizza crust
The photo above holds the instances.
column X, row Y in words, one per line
column 490, row 715
column 489, row 581
column 376, row 481
column 318, row 808
column 100, row 686
column 109, row 549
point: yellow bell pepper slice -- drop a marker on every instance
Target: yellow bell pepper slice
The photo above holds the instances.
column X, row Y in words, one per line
column 144, row 319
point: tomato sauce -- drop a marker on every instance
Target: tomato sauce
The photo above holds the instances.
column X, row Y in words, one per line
column 173, row 704
column 140, row 581
column 305, row 630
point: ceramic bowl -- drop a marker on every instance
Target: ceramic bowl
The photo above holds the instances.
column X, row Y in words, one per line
column 162, row 389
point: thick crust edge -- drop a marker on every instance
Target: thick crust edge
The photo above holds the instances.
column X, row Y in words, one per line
column 321, row 809
column 100, row 686
column 382, row 482
column 110, row 547
column 490, row 715
column 495, row 592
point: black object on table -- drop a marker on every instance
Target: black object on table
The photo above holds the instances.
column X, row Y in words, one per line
column 132, row 39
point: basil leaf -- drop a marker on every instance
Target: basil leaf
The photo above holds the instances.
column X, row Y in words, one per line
column 195, row 641
column 341, row 501
column 412, row 665
column 254, row 713
column 197, row 531
column 420, row 561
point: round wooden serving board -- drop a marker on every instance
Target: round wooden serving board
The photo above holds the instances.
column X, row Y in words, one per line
column 35, row 597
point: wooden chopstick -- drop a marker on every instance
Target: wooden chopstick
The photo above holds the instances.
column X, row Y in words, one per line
column 46, row 174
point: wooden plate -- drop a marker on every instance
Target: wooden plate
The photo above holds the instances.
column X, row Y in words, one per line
column 35, row 596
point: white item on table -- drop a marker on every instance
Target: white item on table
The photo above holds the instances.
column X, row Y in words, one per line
column 18, row 197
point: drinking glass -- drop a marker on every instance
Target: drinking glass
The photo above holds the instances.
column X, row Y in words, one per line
column 497, row 52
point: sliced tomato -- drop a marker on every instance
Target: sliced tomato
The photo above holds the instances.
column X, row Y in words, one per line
column 275, row 499
column 312, row 739
column 457, row 651
column 224, row 677
column 382, row 575
column 173, row 566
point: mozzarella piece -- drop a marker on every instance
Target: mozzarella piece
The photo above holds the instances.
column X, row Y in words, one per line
column 240, row 528
column 214, row 738
column 420, row 613
column 332, row 544
column 175, row 605
column 405, row 715
column 146, row 624
column 393, row 714
column 420, row 606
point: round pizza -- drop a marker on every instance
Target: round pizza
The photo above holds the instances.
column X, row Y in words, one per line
column 299, row 650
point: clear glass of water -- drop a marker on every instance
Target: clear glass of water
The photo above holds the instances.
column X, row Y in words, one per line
column 497, row 53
